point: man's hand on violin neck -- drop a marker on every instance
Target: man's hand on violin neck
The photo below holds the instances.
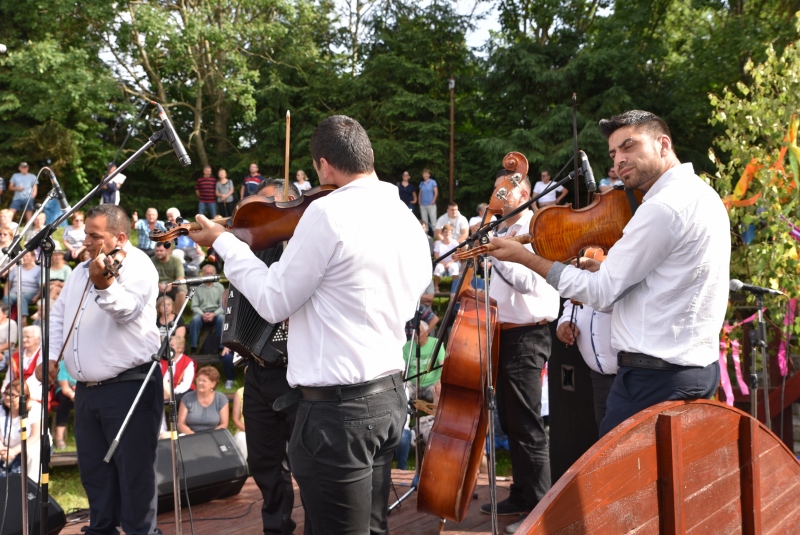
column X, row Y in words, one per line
column 209, row 233
column 97, row 272
column 513, row 251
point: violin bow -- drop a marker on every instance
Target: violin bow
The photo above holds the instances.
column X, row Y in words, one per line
column 575, row 145
column 286, row 164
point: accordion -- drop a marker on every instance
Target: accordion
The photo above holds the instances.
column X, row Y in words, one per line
column 247, row 333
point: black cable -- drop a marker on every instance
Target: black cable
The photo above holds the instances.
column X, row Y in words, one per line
column 249, row 508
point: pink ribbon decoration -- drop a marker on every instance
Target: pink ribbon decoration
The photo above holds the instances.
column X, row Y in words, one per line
column 723, row 368
column 737, row 365
column 788, row 319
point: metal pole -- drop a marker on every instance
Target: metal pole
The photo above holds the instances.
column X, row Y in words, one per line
column 452, row 85
column 286, row 164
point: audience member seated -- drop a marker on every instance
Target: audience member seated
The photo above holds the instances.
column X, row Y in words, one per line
column 475, row 222
column 187, row 250
column 166, row 317
column 59, row 269
column 302, row 183
column 8, row 336
column 31, row 357
column 238, row 419
column 430, row 386
column 36, row 227
column 448, row 265
column 84, row 256
column 10, row 453
column 227, row 365
column 144, row 228
column 65, row 395
column 55, row 291
column 6, row 237
column 207, row 310
column 611, row 181
column 7, row 219
column 425, row 315
column 30, row 284
column 203, row 409
column 184, row 368
column 458, row 223
column 74, row 236
column 169, row 269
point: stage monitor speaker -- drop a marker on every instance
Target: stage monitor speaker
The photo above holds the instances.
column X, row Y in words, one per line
column 573, row 429
column 11, row 508
column 213, row 465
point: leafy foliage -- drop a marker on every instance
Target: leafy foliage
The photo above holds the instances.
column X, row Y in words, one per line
column 757, row 117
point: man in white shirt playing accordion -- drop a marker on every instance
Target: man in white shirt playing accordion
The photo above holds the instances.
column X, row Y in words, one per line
column 667, row 277
column 347, row 289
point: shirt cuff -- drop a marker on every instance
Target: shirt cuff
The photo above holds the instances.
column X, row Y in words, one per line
column 224, row 243
column 110, row 294
column 554, row 275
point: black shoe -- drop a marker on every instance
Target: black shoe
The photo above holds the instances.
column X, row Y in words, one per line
column 505, row 507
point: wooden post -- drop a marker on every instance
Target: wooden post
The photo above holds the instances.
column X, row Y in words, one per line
column 452, row 85
column 286, row 165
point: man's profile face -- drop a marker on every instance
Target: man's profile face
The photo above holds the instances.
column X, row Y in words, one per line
column 99, row 237
column 171, row 217
column 638, row 156
column 612, row 173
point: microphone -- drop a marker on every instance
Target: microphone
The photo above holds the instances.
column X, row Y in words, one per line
column 172, row 137
column 195, row 281
column 738, row 286
column 62, row 198
column 586, row 171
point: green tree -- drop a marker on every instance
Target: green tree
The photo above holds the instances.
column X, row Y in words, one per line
column 759, row 130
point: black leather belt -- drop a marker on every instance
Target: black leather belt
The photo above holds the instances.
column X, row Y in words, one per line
column 640, row 360
column 134, row 374
column 338, row 393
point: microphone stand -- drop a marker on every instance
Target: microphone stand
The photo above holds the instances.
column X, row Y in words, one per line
column 753, row 375
column 164, row 352
column 762, row 343
column 490, row 395
column 44, row 239
column 416, row 347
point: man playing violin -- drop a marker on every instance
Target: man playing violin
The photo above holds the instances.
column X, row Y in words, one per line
column 348, row 291
column 667, row 277
column 525, row 305
column 108, row 351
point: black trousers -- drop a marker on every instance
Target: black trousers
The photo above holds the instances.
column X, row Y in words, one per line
column 523, row 354
column 267, row 434
column 601, row 385
column 65, row 406
column 341, row 455
column 636, row 389
column 122, row 492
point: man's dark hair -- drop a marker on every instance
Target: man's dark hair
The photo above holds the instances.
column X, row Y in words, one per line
column 452, row 203
column 344, row 143
column 502, row 172
column 650, row 122
column 116, row 219
column 544, row 171
column 277, row 183
column 4, row 308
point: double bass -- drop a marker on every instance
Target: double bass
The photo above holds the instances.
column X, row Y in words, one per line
column 456, row 442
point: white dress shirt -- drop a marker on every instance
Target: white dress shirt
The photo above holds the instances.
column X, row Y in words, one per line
column 667, row 277
column 116, row 328
column 347, row 287
column 594, row 340
column 524, row 296
column 550, row 196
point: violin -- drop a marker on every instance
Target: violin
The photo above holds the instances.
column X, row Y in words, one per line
column 260, row 222
column 113, row 263
column 561, row 233
column 456, row 442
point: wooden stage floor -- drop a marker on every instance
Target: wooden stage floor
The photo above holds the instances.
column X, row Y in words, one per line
column 241, row 514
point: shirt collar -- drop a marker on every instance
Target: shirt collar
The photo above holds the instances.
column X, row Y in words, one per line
column 679, row 171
